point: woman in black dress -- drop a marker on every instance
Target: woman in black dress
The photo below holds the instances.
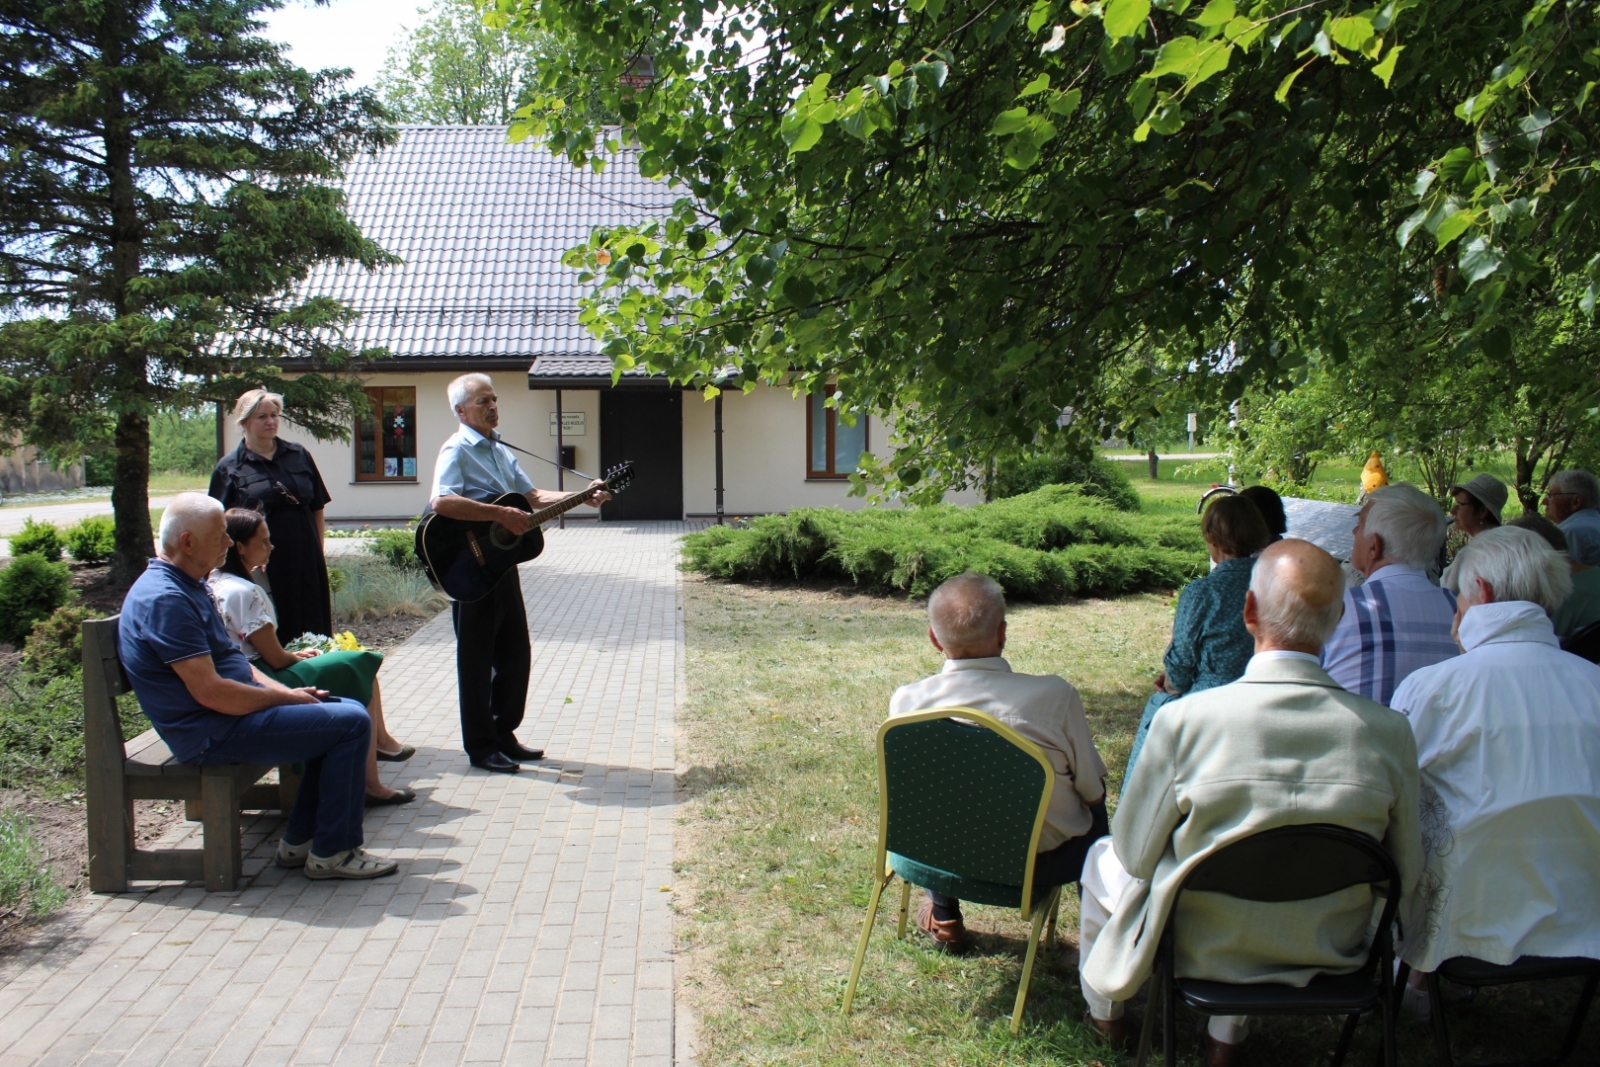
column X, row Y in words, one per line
column 279, row 479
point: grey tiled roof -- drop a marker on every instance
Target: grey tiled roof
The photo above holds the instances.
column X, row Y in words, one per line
column 481, row 225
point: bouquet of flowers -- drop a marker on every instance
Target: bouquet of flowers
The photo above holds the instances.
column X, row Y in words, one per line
column 322, row 643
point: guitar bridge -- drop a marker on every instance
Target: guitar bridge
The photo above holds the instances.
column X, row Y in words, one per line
column 477, row 552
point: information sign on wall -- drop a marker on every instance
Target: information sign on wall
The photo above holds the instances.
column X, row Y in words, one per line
column 573, row 424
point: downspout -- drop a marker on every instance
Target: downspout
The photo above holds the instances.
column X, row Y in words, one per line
column 718, row 424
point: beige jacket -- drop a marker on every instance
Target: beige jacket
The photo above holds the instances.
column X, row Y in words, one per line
column 1282, row 746
column 1041, row 707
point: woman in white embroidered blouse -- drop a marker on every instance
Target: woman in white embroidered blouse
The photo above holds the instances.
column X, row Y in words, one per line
column 252, row 622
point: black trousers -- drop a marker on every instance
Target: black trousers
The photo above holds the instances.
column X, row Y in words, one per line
column 492, row 663
column 1062, row 865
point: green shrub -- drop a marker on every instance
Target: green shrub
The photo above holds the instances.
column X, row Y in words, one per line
column 56, row 644
column 336, row 579
column 398, row 547
column 372, row 588
column 93, row 540
column 41, row 731
column 1046, row 545
column 31, row 588
column 25, row 877
column 39, row 538
column 1094, row 476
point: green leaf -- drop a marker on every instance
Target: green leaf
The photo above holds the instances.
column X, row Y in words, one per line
column 1038, row 16
column 1009, row 122
column 799, row 291
column 931, row 74
column 1385, row 69
column 1352, row 32
column 1479, row 260
column 1038, row 85
column 1454, row 227
column 1282, row 95
column 1123, row 18
column 1244, row 32
column 1497, row 343
column 1180, row 55
column 1410, row 226
column 1064, row 104
column 1216, row 13
column 760, row 269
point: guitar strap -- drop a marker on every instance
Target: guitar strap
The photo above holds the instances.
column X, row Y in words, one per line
column 541, row 459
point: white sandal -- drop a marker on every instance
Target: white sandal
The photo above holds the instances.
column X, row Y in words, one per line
column 356, row 863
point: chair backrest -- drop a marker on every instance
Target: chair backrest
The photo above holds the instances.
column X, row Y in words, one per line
column 1584, row 642
column 103, row 681
column 1300, row 863
column 966, row 797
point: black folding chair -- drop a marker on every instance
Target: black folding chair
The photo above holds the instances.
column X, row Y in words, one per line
column 1275, row 866
column 1584, row 642
column 1476, row 974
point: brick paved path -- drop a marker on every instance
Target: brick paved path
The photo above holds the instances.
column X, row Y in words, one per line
column 528, row 924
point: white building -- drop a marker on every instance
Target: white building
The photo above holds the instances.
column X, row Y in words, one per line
column 481, row 226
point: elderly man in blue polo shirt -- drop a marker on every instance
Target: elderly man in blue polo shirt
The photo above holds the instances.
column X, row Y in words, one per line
column 212, row 707
column 492, row 651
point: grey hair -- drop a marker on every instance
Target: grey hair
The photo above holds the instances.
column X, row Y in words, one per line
column 1578, row 482
column 966, row 611
column 1409, row 521
column 1517, row 564
column 252, row 399
column 183, row 514
column 457, row 390
column 1284, row 616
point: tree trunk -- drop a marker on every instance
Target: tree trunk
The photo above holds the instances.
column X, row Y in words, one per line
column 1525, row 464
column 130, row 499
column 1155, row 464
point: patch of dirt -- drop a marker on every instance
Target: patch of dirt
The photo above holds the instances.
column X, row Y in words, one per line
column 96, row 589
column 382, row 635
column 60, row 829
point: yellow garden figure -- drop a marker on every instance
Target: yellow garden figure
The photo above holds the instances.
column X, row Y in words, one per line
column 338, row 664
column 1373, row 475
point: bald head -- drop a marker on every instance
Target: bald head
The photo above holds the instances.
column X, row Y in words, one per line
column 967, row 617
column 1296, row 597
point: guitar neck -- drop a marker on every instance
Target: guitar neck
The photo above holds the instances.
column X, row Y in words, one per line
column 561, row 507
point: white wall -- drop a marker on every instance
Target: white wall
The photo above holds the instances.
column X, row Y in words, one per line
column 763, row 456
column 524, row 421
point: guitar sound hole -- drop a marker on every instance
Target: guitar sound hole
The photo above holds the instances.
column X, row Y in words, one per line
column 502, row 538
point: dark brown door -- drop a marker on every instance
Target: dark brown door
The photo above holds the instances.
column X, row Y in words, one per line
column 646, row 427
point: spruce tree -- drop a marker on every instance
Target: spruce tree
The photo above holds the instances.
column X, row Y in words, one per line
column 167, row 176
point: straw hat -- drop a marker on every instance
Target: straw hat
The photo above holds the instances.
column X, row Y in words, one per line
column 1487, row 490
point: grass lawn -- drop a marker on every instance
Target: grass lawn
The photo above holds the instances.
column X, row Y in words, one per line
column 786, row 688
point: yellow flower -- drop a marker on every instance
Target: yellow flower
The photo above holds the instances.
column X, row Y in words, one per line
column 346, row 642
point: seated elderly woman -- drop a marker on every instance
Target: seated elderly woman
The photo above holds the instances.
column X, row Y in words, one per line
column 1508, row 739
column 1582, row 606
column 252, row 622
column 1210, row 644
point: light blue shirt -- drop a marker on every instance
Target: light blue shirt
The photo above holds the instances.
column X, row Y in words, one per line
column 1583, row 537
column 1394, row 623
column 477, row 467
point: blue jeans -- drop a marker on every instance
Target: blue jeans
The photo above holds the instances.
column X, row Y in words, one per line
column 331, row 740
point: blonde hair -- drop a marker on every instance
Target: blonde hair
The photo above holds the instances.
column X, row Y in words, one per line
column 249, row 401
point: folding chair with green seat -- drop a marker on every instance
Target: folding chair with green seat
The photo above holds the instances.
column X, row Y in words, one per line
column 961, row 804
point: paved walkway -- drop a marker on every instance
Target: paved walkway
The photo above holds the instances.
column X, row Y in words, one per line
column 530, row 923
column 63, row 515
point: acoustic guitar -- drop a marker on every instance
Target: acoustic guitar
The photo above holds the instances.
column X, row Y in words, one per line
column 464, row 559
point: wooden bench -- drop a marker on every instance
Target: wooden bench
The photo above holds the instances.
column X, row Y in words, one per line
column 117, row 773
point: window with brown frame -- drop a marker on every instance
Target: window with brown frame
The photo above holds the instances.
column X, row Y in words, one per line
column 386, row 436
column 832, row 448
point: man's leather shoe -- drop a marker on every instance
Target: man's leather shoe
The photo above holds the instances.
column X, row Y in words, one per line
column 1220, row 1053
column 948, row 935
column 496, row 762
column 512, row 750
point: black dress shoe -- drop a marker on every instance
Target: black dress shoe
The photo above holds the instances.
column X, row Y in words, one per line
column 496, row 762
column 512, row 750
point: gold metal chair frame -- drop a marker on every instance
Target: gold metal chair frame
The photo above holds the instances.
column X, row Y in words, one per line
column 885, row 874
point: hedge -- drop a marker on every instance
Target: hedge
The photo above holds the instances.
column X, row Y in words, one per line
column 1048, row 545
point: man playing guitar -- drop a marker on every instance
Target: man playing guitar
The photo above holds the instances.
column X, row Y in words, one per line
column 493, row 655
